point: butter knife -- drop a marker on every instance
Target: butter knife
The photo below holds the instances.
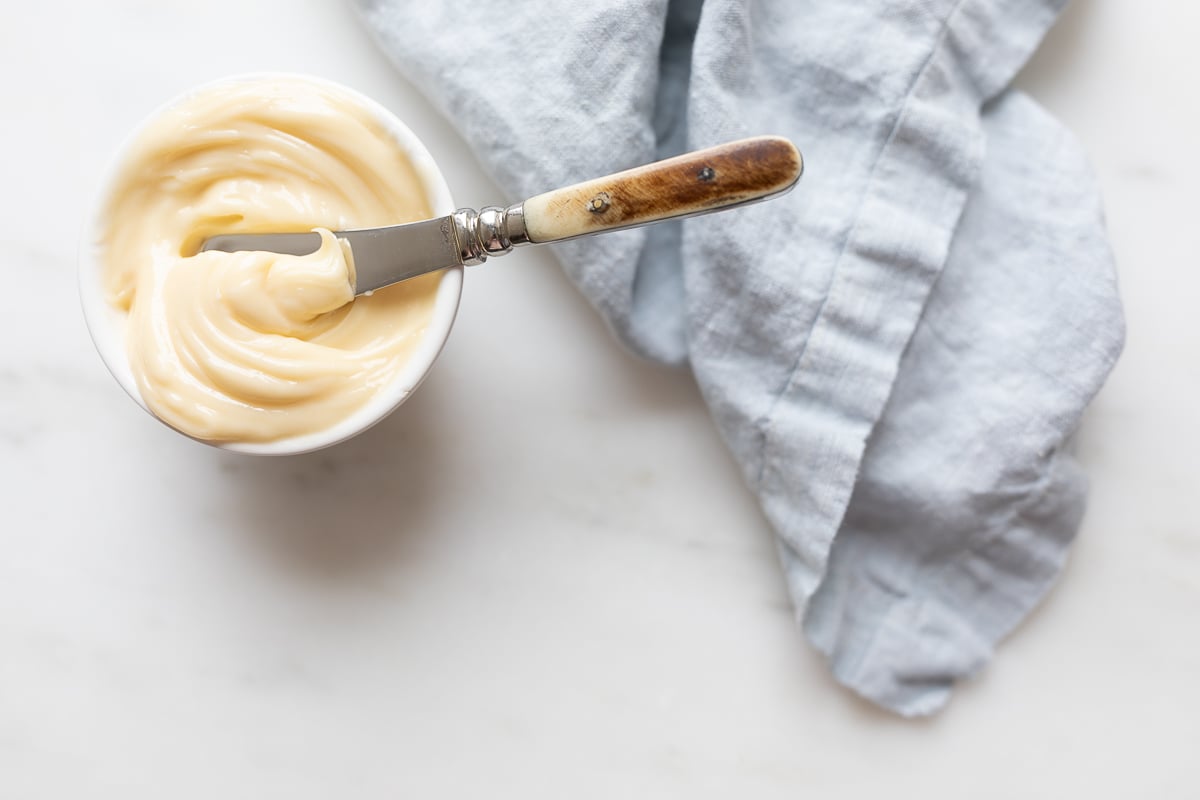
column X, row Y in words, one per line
column 713, row 179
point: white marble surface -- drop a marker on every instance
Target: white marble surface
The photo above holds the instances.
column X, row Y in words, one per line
column 543, row 577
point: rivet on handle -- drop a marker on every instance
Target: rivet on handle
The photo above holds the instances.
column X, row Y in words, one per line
column 600, row 203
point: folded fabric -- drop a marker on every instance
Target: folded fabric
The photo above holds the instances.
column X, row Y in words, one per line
column 897, row 351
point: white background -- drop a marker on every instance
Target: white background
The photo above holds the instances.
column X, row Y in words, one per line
column 543, row 576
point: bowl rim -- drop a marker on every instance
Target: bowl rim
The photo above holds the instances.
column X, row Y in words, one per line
column 105, row 324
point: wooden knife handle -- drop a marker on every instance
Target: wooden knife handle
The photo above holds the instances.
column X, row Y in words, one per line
column 694, row 183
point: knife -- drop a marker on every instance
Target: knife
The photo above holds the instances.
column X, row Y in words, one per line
column 714, row 179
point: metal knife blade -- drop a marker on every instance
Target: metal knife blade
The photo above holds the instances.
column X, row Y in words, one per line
column 382, row 256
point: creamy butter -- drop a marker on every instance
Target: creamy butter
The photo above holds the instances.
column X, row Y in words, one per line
column 257, row 347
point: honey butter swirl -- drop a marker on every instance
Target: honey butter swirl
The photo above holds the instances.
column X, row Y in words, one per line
column 252, row 346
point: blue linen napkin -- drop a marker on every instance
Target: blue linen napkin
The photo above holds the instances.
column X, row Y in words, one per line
column 898, row 351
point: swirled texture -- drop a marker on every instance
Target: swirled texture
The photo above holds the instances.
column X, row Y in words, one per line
column 257, row 347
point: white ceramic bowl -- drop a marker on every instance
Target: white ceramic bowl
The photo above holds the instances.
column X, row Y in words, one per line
column 107, row 325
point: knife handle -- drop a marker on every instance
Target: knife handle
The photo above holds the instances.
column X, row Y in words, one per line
column 728, row 175
column 716, row 178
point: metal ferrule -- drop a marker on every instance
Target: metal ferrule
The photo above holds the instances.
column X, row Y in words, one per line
column 491, row 231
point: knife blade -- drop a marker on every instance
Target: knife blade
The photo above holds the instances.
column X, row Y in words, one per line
column 382, row 256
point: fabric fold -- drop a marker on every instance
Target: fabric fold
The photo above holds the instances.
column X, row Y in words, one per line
column 965, row 526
